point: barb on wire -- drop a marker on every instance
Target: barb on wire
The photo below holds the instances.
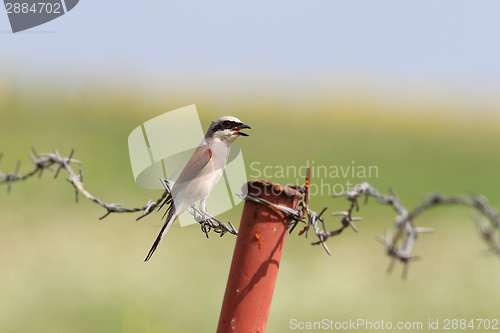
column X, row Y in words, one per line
column 48, row 161
column 399, row 247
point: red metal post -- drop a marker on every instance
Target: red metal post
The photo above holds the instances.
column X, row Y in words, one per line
column 256, row 259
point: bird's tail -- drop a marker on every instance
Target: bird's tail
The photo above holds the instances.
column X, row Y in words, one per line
column 171, row 217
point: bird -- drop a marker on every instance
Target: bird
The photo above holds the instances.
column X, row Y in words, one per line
column 201, row 173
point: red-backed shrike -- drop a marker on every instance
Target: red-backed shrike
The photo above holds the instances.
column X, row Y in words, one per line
column 201, row 173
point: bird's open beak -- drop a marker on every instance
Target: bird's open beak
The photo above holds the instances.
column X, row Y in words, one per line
column 242, row 126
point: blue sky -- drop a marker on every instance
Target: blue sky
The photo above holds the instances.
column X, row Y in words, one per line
column 454, row 43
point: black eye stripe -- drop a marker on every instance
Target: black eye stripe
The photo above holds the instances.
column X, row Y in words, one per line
column 227, row 124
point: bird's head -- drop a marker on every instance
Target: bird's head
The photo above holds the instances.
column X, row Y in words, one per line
column 226, row 129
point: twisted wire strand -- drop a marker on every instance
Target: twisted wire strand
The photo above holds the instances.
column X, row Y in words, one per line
column 47, row 161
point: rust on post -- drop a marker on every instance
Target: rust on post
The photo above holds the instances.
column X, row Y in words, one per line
column 256, row 258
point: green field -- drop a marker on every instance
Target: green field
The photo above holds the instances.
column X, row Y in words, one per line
column 64, row 270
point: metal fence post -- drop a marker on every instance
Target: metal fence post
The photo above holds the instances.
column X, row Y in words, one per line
column 256, row 258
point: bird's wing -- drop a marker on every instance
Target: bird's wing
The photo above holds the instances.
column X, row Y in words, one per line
column 202, row 158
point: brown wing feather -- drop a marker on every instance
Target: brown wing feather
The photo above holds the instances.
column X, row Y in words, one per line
column 199, row 160
column 201, row 157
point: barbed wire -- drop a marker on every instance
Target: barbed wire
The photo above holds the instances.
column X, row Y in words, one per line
column 398, row 247
column 46, row 161
column 401, row 245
